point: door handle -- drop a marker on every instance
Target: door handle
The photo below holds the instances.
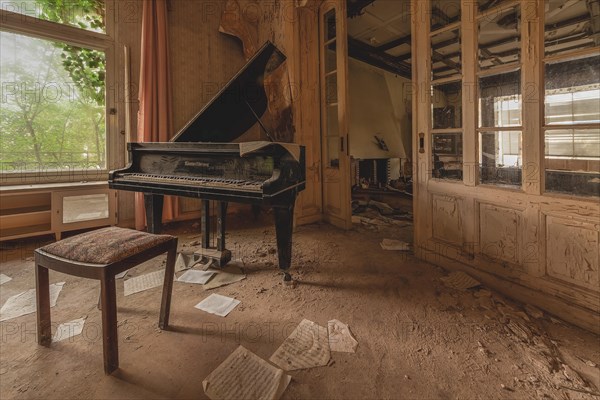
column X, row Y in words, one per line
column 342, row 144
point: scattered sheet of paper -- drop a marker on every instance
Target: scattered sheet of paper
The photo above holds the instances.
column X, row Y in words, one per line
column 68, row 330
column 231, row 273
column 217, row 304
column 340, row 337
column 144, row 282
column 186, row 260
column 244, row 375
column 390, row 244
column 4, row 279
column 121, row 275
column 24, row 303
column 459, row 280
column 306, row 347
column 193, row 276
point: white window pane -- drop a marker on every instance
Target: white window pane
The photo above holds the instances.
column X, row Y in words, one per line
column 52, row 116
column 85, row 208
column 84, row 14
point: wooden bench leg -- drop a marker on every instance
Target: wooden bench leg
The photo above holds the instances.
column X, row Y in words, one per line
column 42, row 292
column 109, row 324
column 165, row 306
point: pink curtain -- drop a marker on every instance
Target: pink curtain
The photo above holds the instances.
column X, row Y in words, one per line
column 154, row 122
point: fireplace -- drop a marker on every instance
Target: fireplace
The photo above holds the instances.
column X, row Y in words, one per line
column 375, row 173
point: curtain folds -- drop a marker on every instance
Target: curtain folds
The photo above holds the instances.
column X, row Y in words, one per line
column 155, row 119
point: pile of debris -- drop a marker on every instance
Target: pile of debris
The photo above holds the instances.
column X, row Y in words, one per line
column 375, row 213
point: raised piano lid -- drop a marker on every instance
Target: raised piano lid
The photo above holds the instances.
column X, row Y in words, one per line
column 232, row 111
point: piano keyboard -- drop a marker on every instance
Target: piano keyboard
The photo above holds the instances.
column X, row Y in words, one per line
column 235, row 184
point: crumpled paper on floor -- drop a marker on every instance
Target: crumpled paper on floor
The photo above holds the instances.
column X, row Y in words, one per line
column 390, row 244
column 186, row 260
column 68, row 330
column 340, row 337
column 217, row 304
column 244, row 375
column 194, row 276
column 306, row 347
column 143, row 282
column 459, row 280
column 4, row 279
column 24, row 303
column 227, row 275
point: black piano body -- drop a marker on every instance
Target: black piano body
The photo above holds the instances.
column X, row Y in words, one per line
column 193, row 165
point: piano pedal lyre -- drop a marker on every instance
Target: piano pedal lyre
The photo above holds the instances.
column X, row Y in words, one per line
column 219, row 256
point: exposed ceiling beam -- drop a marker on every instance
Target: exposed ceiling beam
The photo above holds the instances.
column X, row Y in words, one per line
column 395, row 43
column 370, row 55
column 567, row 23
column 356, row 7
column 438, row 57
column 489, row 4
column 442, row 19
column 486, row 49
column 561, row 8
column 495, row 57
column 594, row 10
column 516, row 39
column 437, row 46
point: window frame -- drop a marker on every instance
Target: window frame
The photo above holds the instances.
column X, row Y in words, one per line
column 47, row 30
column 546, row 59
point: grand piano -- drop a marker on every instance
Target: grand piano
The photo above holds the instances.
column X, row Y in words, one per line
column 202, row 162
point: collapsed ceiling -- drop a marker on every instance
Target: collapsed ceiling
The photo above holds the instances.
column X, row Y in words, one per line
column 380, row 33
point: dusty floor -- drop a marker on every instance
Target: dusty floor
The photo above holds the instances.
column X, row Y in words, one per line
column 418, row 339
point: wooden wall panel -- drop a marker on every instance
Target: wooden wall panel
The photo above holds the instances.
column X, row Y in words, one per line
column 203, row 60
column 499, row 232
column 447, row 219
column 572, row 248
column 305, row 83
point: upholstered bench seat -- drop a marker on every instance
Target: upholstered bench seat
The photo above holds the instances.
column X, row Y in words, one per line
column 101, row 255
column 105, row 246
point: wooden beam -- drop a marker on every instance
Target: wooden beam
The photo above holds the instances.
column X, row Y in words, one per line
column 550, row 28
column 395, row 43
column 438, row 57
column 442, row 18
column 370, row 55
column 356, row 7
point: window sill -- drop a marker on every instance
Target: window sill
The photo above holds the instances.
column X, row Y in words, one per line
column 52, row 186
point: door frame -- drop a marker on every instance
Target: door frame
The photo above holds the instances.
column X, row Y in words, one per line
column 336, row 190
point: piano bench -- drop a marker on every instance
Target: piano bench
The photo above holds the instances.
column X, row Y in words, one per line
column 101, row 255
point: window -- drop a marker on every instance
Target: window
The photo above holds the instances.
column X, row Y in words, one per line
column 500, row 99
column 572, row 102
column 329, row 72
column 446, row 90
column 579, row 104
column 514, row 93
column 53, row 92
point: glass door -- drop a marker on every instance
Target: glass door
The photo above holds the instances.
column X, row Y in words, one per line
column 334, row 122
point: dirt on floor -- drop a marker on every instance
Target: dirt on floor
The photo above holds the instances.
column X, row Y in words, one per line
column 418, row 339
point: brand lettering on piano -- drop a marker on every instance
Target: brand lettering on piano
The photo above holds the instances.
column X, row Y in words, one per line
column 196, row 164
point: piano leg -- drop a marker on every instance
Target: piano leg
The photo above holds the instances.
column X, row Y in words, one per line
column 205, row 224
column 154, row 207
column 284, row 225
column 221, row 217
